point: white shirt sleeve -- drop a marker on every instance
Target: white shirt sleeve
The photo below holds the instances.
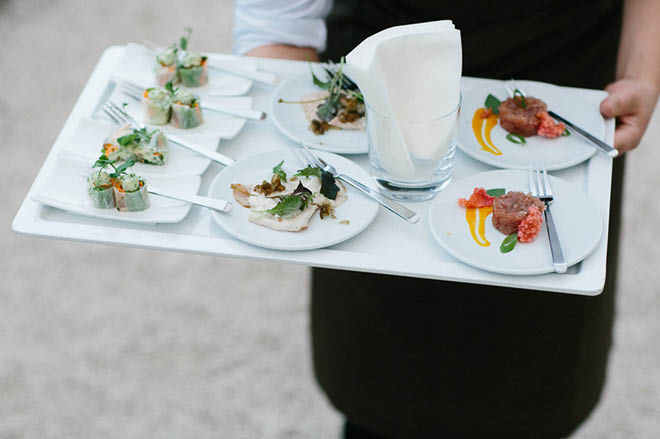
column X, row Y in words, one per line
column 292, row 22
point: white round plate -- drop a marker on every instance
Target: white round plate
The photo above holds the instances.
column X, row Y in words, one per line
column 577, row 217
column 559, row 153
column 291, row 121
column 359, row 210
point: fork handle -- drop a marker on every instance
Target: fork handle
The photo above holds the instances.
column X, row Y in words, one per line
column 215, row 156
column 381, row 199
column 558, row 260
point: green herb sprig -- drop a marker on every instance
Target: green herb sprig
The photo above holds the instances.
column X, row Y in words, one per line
column 329, row 187
column 277, row 170
column 336, row 87
column 138, row 135
column 509, row 243
column 287, row 206
column 183, row 41
column 516, row 138
column 493, row 103
column 498, row 192
column 523, row 101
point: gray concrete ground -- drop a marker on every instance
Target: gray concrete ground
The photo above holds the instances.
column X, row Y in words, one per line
column 198, row 347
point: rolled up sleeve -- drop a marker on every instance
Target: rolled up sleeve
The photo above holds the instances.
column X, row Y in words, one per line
column 296, row 23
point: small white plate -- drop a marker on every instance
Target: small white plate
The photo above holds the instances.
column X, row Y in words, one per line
column 216, row 125
column 559, row 153
column 138, row 62
column 359, row 210
column 86, row 144
column 66, row 188
column 578, row 220
column 291, row 121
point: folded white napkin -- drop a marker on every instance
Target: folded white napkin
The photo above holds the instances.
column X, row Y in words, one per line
column 411, row 74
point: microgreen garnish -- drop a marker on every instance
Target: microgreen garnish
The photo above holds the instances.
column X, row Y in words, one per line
column 103, row 162
column 566, row 132
column 277, row 170
column 309, row 172
column 119, row 171
column 329, row 187
column 287, row 206
column 337, row 86
column 138, row 135
column 493, row 103
column 498, row 192
column 509, row 243
column 523, row 101
column 516, row 138
column 170, row 88
column 183, row 41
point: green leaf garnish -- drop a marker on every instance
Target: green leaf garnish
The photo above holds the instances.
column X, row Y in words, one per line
column 317, row 81
column 523, row 101
column 516, row 138
column 329, row 187
column 309, row 172
column 566, row 132
column 122, row 168
column 183, row 41
column 287, row 206
column 493, row 103
column 277, row 170
column 170, row 88
column 509, row 243
column 304, row 194
column 127, row 139
column 498, row 192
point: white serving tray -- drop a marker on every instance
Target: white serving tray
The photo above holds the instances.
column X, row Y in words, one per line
column 389, row 245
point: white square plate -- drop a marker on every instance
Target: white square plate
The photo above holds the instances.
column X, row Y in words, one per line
column 65, row 187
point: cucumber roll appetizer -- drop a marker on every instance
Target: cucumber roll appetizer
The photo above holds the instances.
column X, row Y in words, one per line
column 167, row 63
column 192, row 69
column 186, row 110
column 100, row 190
column 157, row 105
column 131, row 193
column 152, row 149
column 144, row 146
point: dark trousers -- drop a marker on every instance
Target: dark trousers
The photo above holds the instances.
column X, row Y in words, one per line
column 405, row 357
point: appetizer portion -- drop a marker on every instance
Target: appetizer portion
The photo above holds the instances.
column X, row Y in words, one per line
column 186, row 110
column 178, row 65
column 167, row 64
column 128, row 143
column 131, row 193
column 172, row 105
column 99, row 188
column 515, row 214
column 126, row 192
column 157, row 103
column 289, row 204
column 521, row 116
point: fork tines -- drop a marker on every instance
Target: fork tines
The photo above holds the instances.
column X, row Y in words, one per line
column 540, row 188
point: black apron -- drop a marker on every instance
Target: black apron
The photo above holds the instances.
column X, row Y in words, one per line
column 411, row 357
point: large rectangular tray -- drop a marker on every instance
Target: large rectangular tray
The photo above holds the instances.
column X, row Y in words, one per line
column 389, row 245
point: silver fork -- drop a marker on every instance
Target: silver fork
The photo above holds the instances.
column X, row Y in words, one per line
column 394, row 207
column 540, row 187
column 120, row 116
column 134, row 91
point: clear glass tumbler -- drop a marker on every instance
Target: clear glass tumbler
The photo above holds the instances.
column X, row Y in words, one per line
column 411, row 161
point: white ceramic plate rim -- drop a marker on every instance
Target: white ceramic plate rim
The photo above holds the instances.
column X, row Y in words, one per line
column 277, row 155
column 548, row 268
column 468, row 146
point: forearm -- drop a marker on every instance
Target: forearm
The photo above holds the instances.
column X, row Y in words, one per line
column 284, row 51
column 639, row 50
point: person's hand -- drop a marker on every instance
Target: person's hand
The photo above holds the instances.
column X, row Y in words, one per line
column 632, row 102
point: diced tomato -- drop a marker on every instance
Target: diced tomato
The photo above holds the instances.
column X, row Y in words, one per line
column 485, row 114
column 548, row 127
column 531, row 225
column 479, row 198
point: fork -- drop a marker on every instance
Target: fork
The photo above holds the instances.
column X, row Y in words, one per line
column 392, row 206
column 119, row 116
column 543, row 191
column 134, row 91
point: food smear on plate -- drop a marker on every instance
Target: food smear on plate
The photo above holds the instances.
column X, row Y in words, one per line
column 515, row 214
column 140, row 145
column 288, row 204
column 521, row 116
column 177, row 64
column 127, row 192
column 176, row 106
